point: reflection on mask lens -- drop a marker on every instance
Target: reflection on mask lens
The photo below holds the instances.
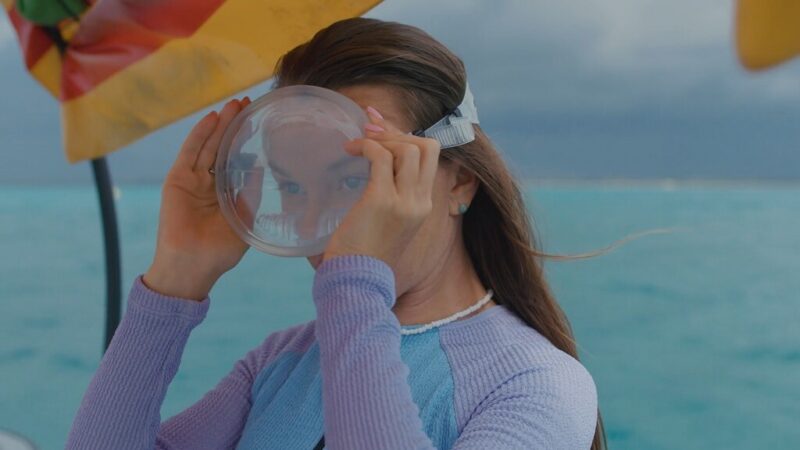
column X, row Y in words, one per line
column 284, row 226
column 329, row 221
column 279, row 226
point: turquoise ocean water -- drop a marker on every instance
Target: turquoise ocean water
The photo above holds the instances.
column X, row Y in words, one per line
column 692, row 337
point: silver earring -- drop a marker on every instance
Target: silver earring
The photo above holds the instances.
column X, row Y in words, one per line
column 462, row 208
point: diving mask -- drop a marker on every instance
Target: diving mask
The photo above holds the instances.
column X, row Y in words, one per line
column 284, row 181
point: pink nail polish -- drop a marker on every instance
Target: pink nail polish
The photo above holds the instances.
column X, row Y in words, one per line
column 374, row 112
column 373, row 127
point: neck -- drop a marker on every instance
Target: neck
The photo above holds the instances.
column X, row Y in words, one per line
column 452, row 287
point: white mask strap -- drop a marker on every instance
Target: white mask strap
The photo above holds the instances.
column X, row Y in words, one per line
column 455, row 128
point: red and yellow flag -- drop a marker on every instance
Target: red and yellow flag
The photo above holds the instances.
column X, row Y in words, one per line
column 767, row 32
column 122, row 69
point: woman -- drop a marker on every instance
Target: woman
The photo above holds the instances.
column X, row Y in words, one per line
column 434, row 231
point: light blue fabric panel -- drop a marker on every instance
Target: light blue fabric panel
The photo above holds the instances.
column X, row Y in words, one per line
column 287, row 397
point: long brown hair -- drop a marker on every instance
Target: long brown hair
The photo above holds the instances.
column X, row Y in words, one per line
column 431, row 80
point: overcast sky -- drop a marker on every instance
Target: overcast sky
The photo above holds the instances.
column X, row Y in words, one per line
column 575, row 89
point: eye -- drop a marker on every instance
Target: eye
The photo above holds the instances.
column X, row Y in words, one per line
column 289, row 187
column 354, row 183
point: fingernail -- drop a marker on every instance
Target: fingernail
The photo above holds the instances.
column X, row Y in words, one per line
column 373, row 127
column 374, row 112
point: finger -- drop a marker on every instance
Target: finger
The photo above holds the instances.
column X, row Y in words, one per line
column 377, row 119
column 243, row 134
column 207, row 155
column 195, row 140
column 381, row 171
column 406, row 165
column 429, row 150
column 429, row 161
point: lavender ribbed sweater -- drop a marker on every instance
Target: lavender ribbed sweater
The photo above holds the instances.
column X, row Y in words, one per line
column 485, row 382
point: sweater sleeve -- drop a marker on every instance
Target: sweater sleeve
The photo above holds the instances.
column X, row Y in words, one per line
column 553, row 409
column 367, row 402
column 121, row 407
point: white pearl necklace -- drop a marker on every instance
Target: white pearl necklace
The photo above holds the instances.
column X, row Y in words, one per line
column 446, row 320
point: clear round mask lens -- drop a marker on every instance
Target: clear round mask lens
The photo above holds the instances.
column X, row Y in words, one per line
column 284, row 180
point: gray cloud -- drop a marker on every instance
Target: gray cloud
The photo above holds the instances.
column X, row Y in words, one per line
column 630, row 88
column 591, row 88
column 597, row 55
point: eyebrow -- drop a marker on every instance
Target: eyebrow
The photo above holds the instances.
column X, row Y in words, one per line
column 341, row 162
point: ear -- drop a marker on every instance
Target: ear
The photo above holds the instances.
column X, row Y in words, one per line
column 463, row 185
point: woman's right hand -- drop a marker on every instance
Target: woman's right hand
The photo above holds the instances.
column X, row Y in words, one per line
column 196, row 245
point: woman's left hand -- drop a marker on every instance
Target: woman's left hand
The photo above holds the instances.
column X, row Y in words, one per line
column 397, row 198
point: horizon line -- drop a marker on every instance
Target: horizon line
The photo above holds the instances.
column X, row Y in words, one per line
column 665, row 182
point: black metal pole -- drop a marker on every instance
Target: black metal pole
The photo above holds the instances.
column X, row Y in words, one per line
column 105, row 193
column 102, row 179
